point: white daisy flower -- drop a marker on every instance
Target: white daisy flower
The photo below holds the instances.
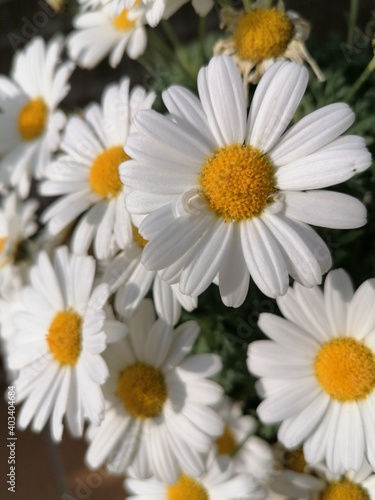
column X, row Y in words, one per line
column 86, row 175
column 220, row 481
column 30, row 122
column 128, row 277
column 61, row 334
column 158, row 417
column 105, row 31
column 225, row 196
column 318, row 371
column 249, row 453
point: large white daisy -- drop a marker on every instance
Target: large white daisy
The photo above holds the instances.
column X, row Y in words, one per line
column 220, row 481
column 158, row 417
column 226, row 196
column 61, row 334
column 103, row 31
column 318, row 371
column 30, row 122
column 86, row 174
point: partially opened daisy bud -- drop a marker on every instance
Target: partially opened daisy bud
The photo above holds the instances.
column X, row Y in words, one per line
column 30, row 124
column 224, row 196
column 262, row 36
column 158, row 415
column 318, row 371
column 61, row 334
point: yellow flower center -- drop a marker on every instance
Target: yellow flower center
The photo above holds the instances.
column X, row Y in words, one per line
column 263, row 33
column 104, row 175
column 64, row 337
column 187, row 488
column 142, row 390
column 32, row 119
column 344, row 490
column 345, row 368
column 122, row 21
column 238, row 182
column 294, row 460
column 138, row 238
column 226, row 444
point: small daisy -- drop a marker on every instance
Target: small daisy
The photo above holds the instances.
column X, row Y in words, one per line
column 220, row 481
column 105, row 31
column 249, row 453
column 223, row 197
column 30, row 124
column 318, row 371
column 262, row 36
column 127, row 276
column 158, row 416
column 86, row 175
column 61, row 334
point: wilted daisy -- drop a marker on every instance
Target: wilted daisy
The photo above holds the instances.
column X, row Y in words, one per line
column 29, row 121
column 61, row 334
column 262, row 36
column 86, row 174
column 225, row 196
column 158, row 416
column 104, row 31
column 220, row 481
column 318, row 371
column 128, row 277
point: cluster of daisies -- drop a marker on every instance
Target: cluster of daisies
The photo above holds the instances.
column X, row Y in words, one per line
column 142, row 212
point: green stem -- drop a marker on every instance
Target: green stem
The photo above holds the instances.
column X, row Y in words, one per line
column 159, row 45
column 247, row 5
column 370, row 68
column 352, row 21
column 182, row 56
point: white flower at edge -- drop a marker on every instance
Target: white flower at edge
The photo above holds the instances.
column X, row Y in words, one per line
column 158, row 415
column 104, row 31
column 60, row 336
column 223, row 197
column 30, row 122
column 86, row 174
column 318, row 371
column 220, row 481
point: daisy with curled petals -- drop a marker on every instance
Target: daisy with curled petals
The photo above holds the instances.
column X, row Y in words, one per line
column 158, row 416
column 30, row 122
column 61, row 334
column 86, row 174
column 128, row 277
column 318, row 371
column 262, row 36
column 103, row 31
column 223, row 196
column 220, row 481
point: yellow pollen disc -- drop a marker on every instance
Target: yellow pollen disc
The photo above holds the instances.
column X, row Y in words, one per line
column 122, row 22
column 32, row 119
column 104, row 175
column 138, row 238
column 238, row 182
column 3, row 242
column 263, row 33
column 64, row 337
column 226, row 444
column 142, row 390
column 187, row 488
column 344, row 490
column 295, row 461
column 345, row 368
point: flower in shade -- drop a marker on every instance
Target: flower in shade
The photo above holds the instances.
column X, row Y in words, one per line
column 262, row 36
column 318, row 371
column 60, row 336
column 106, row 30
column 158, row 416
column 222, row 196
column 30, row 122
column 220, row 481
column 86, row 175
